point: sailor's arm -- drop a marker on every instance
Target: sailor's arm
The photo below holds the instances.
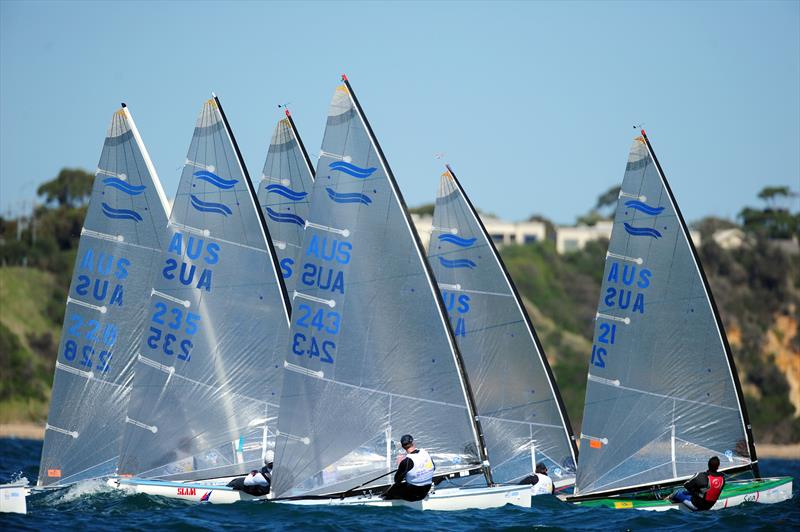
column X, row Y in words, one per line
column 402, row 469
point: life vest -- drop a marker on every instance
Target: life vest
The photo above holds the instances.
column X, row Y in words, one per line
column 715, row 485
column 256, row 478
column 544, row 486
column 422, row 472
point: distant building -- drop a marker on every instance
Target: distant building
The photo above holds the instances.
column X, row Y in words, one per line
column 503, row 233
column 567, row 238
column 732, row 238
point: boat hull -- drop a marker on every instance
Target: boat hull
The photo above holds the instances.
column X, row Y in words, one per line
column 195, row 492
column 12, row 498
column 736, row 492
column 448, row 499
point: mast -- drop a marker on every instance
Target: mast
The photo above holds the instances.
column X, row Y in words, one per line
column 462, row 374
column 306, row 158
column 720, row 328
column 550, row 377
column 253, row 197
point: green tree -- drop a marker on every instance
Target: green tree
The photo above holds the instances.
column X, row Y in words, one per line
column 72, row 187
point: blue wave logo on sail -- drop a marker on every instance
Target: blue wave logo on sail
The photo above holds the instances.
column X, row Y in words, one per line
column 210, row 206
column 351, row 169
column 458, row 263
column 127, row 188
column 641, row 231
column 121, row 214
column 286, row 192
column 348, row 197
column 285, row 217
column 458, row 241
column 214, row 179
column 644, row 207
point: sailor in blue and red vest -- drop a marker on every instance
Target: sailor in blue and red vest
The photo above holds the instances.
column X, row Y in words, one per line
column 703, row 489
column 416, row 469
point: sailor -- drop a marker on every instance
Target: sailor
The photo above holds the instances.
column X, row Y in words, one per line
column 703, row 489
column 540, row 483
column 416, row 469
column 257, row 483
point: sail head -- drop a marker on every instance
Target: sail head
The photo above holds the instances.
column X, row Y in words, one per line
column 661, row 394
column 207, row 382
column 516, row 397
column 124, row 228
column 370, row 358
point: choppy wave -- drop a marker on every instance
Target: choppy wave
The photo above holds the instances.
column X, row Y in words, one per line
column 351, row 169
column 644, row 207
column 348, row 197
column 120, row 214
column 214, row 179
column 287, row 192
column 124, row 186
column 210, row 206
column 457, row 263
column 457, row 240
column 285, row 217
column 641, row 231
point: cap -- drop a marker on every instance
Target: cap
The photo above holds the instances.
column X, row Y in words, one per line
column 269, row 456
column 407, row 439
column 541, row 468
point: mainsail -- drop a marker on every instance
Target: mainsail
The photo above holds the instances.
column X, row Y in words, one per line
column 523, row 418
column 124, row 229
column 285, row 194
column 662, row 394
column 370, row 354
column 207, row 380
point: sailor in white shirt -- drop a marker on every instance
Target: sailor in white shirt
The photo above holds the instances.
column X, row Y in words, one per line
column 540, row 483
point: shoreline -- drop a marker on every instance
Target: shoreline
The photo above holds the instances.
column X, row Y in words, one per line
column 35, row 431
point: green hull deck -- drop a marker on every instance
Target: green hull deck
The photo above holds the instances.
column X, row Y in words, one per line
column 769, row 490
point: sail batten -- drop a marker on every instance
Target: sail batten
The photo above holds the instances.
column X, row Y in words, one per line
column 662, row 392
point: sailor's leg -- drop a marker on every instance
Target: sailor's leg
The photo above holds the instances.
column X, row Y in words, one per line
column 685, row 498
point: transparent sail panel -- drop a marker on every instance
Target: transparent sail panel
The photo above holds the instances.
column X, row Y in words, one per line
column 660, row 397
column 284, row 195
column 369, row 356
column 124, row 229
column 515, row 398
column 207, row 372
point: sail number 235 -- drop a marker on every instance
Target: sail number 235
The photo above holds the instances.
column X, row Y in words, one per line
column 171, row 324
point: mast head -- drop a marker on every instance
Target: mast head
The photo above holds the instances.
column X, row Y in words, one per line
column 214, row 95
column 288, row 114
column 123, row 105
column 344, row 77
column 643, row 133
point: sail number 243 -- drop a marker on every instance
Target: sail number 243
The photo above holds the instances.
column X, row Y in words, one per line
column 321, row 320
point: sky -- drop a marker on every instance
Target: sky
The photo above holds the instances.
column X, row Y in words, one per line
column 533, row 103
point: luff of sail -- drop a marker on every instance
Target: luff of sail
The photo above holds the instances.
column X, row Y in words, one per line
column 284, row 194
column 662, row 394
column 370, row 355
column 207, row 381
column 521, row 413
column 124, row 229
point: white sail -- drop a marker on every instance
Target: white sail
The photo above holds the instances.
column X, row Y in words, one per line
column 124, row 230
column 207, row 384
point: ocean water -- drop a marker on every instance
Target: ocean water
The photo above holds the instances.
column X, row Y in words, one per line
column 93, row 506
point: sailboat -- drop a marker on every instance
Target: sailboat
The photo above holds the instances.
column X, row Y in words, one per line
column 663, row 394
column 371, row 355
column 205, row 395
column 284, row 194
column 523, row 418
column 122, row 235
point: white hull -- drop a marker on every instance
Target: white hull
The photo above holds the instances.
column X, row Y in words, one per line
column 448, row 499
column 12, row 498
column 211, row 491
